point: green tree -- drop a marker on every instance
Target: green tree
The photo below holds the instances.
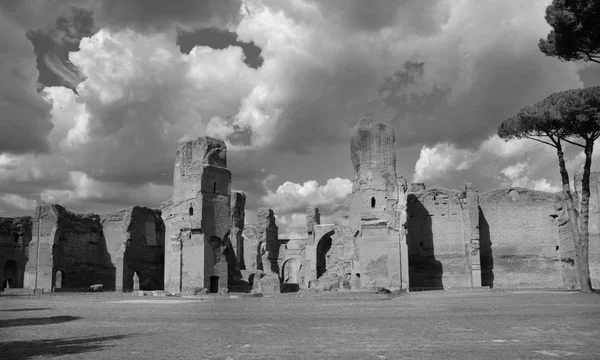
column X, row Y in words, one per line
column 575, row 30
column 572, row 117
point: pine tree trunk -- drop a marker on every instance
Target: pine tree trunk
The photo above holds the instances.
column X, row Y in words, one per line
column 583, row 265
column 571, row 210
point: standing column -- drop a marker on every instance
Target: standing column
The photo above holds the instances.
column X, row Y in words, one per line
column 313, row 217
column 474, row 259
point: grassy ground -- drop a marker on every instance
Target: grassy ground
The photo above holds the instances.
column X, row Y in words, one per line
column 429, row 325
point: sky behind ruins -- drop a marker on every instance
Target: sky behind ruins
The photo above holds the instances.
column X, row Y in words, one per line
column 94, row 101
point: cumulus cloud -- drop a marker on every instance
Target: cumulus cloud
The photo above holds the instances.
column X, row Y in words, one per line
column 445, row 73
column 496, row 164
column 431, row 68
column 142, row 97
column 292, row 197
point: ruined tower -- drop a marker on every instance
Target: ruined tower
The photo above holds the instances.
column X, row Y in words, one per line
column 198, row 218
column 377, row 207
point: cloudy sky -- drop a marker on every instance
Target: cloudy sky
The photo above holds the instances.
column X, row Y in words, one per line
column 95, row 95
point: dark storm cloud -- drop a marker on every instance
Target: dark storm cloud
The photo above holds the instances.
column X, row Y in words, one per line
column 157, row 15
column 423, row 17
column 218, row 39
column 25, row 120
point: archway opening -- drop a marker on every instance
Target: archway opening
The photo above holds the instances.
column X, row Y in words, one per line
column 372, row 202
column 290, row 275
column 289, row 271
column 214, row 284
column 323, row 248
column 11, row 275
column 191, row 211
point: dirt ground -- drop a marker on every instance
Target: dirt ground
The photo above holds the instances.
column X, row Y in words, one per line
column 427, row 325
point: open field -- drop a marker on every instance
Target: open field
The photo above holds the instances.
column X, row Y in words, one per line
column 484, row 325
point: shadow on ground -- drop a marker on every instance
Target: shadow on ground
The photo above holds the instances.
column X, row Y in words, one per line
column 54, row 347
column 27, row 309
column 37, row 321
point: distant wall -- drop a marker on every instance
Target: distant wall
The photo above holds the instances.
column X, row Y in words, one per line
column 135, row 239
column 15, row 236
column 71, row 243
column 437, row 234
column 520, row 245
column 93, row 249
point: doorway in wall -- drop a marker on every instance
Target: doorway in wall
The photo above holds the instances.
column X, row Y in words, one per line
column 214, row 284
column 323, row 248
column 11, row 275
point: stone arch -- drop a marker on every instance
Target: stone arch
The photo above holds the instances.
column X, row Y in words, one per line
column 214, row 284
column 513, row 194
column 323, row 247
column 289, row 271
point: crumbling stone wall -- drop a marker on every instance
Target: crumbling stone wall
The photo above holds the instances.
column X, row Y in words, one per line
column 262, row 253
column 363, row 243
column 135, row 240
column 520, row 244
column 437, row 237
column 15, row 236
column 238, row 204
column 73, row 244
column 292, row 254
column 198, row 218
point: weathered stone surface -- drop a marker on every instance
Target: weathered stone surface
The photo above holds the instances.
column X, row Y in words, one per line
column 74, row 251
column 198, row 218
column 135, row 239
column 71, row 243
column 519, row 239
column 268, row 244
column 15, row 236
column 437, row 236
column 312, row 218
column 251, row 237
column 373, row 154
column 238, row 204
column 330, row 283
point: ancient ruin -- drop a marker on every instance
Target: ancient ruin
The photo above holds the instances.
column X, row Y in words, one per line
column 60, row 251
column 385, row 234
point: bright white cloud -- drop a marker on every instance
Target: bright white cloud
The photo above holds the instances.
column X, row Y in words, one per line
column 496, row 163
column 292, row 197
column 441, row 159
column 324, row 65
column 142, row 96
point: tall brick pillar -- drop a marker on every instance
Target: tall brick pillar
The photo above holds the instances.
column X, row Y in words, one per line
column 472, row 248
